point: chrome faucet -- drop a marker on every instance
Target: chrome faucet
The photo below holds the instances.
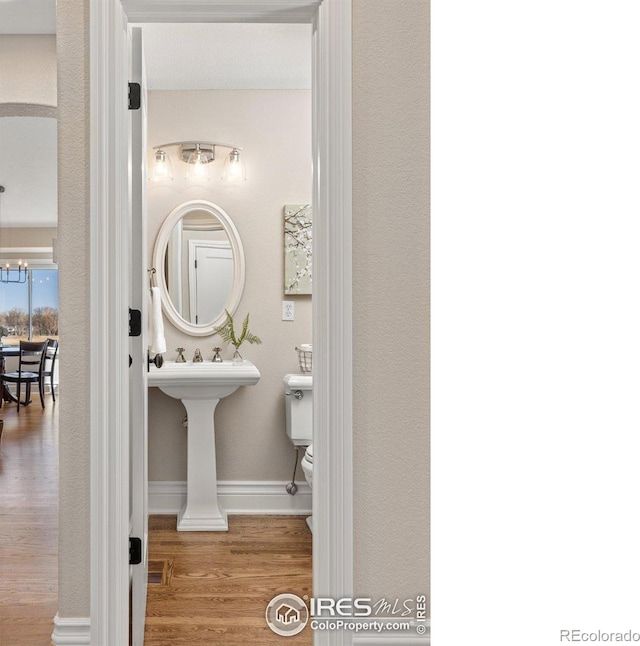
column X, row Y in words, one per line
column 216, row 355
column 180, row 358
column 197, row 357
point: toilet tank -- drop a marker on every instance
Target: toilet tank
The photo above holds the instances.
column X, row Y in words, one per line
column 299, row 406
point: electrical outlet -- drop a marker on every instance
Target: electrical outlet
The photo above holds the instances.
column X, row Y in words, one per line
column 288, row 312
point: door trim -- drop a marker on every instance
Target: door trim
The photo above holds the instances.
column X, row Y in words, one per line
column 109, row 342
column 332, row 314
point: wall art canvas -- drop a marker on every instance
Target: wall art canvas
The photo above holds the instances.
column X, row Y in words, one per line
column 297, row 249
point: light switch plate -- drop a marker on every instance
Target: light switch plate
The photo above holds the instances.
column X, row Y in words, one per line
column 288, row 311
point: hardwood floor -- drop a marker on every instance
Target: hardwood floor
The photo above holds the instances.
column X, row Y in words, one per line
column 28, row 524
column 212, row 588
column 206, row 588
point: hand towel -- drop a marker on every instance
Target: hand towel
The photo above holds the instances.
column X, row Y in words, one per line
column 156, row 326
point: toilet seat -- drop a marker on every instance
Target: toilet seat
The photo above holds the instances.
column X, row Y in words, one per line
column 307, row 466
column 308, row 454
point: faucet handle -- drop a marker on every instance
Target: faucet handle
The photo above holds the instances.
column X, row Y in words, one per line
column 180, row 358
column 216, row 355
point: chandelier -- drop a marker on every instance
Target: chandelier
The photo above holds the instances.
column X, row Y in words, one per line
column 10, row 274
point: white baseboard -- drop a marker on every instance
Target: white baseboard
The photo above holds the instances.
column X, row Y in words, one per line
column 71, row 631
column 236, row 497
column 394, row 638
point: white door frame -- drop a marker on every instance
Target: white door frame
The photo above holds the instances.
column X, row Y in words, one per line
column 332, row 331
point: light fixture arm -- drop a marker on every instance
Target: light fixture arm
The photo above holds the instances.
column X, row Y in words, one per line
column 194, row 143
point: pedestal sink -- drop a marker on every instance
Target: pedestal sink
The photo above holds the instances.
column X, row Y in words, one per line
column 200, row 386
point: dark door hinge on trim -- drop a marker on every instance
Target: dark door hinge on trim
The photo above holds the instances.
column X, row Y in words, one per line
column 134, row 96
column 135, row 322
column 135, row 550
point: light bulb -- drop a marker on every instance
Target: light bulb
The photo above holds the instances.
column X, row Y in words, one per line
column 162, row 168
column 198, row 170
column 234, row 170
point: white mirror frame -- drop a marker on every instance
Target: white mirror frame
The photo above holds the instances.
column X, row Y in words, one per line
column 159, row 251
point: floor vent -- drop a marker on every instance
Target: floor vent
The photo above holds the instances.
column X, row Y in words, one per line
column 160, row 573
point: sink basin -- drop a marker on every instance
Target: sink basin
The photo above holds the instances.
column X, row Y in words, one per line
column 200, row 386
column 202, row 380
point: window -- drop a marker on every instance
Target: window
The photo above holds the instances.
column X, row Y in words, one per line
column 29, row 310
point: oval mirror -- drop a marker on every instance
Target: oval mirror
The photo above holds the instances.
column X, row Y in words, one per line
column 199, row 264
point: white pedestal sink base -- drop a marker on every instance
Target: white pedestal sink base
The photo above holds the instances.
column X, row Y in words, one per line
column 200, row 387
column 201, row 511
column 210, row 523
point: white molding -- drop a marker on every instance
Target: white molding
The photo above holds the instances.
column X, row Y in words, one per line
column 71, row 631
column 290, row 11
column 332, row 314
column 26, row 249
column 393, row 638
column 235, row 496
column 109, row 342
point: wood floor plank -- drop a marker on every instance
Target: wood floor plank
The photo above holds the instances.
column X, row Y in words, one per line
column 221, row 582
column 28, row 524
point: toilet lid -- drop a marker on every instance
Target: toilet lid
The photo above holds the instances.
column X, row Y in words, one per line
column 309, row 453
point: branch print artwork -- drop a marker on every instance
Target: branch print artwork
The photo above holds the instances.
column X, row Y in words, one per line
column 297, row 249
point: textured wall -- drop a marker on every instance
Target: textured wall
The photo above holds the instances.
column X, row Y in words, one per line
column 73, row 252
column 28, row 69
column 274, row 128
column 390, row 292
column 28, row 237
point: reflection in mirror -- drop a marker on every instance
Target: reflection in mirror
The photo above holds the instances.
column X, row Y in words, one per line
column 198, row 267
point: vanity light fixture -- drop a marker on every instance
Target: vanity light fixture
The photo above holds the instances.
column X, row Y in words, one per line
column 198, row 154
column 22, row 269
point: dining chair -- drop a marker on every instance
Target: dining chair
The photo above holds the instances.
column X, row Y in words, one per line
column 51, row 354
column 30, row 370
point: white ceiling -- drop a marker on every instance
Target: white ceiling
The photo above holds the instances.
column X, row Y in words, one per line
column 220, row 56
column 28, row 162
column 27, row 16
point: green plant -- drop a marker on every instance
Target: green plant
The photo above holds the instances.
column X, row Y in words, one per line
column 228, row 335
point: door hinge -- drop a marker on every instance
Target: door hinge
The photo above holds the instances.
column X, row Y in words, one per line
column 134, row 96
column 135, row 550
column 135, row 322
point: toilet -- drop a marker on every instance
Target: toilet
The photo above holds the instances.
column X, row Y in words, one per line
column 298, row 389
column 299, row 412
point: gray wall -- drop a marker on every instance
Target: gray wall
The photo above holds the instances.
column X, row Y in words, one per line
column 391, row 296
column 391, row 77
column 73, row 252
column 274, row 129
column 28, row 69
